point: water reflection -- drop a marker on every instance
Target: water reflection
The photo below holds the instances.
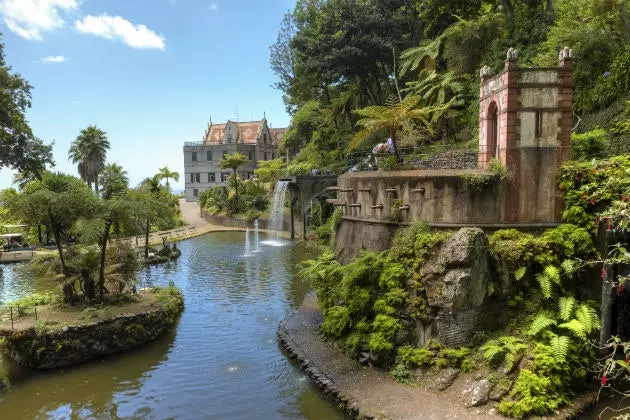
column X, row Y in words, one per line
column 222, row 361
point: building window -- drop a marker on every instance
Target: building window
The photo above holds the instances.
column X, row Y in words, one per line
column 197, row 178
column 195, row 192
column 250, row 155
column 209, row 155
column 194, row 156
column 266, row 156
column 273, row 155
column 539, row 124
column 265, row 138
column 210, row 177
column 224, row 176
column 192, row 178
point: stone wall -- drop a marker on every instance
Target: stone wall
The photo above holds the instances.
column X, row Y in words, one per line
column 443, row 198
column 240, row 223
column 70, row 345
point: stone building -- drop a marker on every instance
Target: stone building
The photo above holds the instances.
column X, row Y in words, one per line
column 255, row 139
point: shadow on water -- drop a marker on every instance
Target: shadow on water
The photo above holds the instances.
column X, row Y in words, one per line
column 221, row 361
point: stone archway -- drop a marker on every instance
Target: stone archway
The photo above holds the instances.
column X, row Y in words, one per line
column 492, row 131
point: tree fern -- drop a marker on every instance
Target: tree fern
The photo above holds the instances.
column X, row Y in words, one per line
column 519, row 273
column 541, row 322
column 509, row 346
column 560, row 347
column 565, row 307
column 576, row 327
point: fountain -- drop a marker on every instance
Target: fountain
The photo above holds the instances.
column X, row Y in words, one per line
column 248, row 250
column 277, row 214
column 256, row 237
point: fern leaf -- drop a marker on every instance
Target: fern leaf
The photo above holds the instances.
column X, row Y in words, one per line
column 560, row 347
column 553, row 274
column 576, row 328
column 587, row 317
column 491, row 350
column 545, row 284
column 541, row 322
column 565, row 307
column 520, row 273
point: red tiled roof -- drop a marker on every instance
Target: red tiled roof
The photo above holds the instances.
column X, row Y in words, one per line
column 248, row 132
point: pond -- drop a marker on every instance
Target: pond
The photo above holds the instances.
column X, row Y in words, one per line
column 221, row 361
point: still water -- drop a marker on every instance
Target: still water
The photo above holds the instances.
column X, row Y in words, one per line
column 221, row 361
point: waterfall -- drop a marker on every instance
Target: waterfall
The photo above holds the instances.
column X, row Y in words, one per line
column 248, row 250
column 277, row 213
column 256, row 237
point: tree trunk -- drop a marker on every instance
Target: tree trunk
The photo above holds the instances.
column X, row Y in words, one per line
column 88, row 287
column 96, row 184
column 68, row 290
column 146, row 240
column 235, row 184
column 508, row 10
column 101, row 271
column 392, row 135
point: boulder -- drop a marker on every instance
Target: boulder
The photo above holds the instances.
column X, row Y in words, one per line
column 477, row 394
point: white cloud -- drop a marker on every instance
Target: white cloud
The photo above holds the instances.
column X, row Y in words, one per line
column 214, row 6
column 31, row 18
column 116, row 27
column 54, row 59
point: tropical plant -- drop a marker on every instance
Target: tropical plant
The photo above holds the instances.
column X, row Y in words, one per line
column 577, row 319
column 390, row 118
column 508, row 349
column 89, row 151
column 57, row 201
column 114, row 180
column 167, row 174
column 233, row 162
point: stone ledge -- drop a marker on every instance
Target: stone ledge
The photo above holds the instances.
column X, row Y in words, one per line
column 323, row 382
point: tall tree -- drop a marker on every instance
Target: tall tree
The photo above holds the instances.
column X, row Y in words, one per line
column 19, row 148
column 89, row 151
column 167, row 174
column 233, row 162
column 114, row 180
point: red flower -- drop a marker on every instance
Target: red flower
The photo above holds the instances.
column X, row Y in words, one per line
column 597, row 222
column 620, row 288
column 603, row 272
column 591, row 202
column 604, row 380
column 577, row 177
column 627, row 359
column 609, row 224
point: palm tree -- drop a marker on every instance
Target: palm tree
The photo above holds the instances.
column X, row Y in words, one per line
column 167, row 174
column 89, row 151
column 233, row 161
column 114, row 180
column 390, row 117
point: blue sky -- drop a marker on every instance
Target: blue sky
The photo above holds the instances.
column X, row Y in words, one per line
column 148, row 72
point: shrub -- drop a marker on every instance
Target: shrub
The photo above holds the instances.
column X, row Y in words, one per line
column 336, row 321
column 591, row 145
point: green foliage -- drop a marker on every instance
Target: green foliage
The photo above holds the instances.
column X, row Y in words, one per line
column 336, row 322
column 36, row 299
column 590, row 145
column 415, row 357
column 401, row 373
column 476, row 182
column 507, row 349
column 532, row 395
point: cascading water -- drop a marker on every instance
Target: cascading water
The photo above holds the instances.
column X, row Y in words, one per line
column 248, row 249
column 256, row 237
column 277, row 214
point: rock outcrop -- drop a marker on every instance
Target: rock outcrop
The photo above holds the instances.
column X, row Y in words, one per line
column 456, row 282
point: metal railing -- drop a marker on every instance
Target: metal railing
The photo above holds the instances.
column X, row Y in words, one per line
column 193, row 143
column 16, row 313
column 421, row 157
